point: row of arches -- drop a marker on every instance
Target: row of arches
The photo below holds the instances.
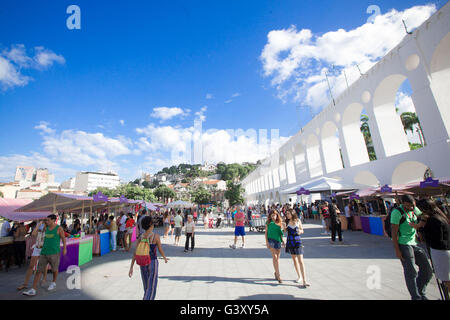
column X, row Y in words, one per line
column 342, row 143
column 404, row 173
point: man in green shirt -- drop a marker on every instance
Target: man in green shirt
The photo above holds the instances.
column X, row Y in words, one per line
column 50, row 253
column 407, row 250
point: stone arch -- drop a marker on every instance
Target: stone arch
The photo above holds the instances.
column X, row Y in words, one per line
column 290, row 168
column 353, row 137
column 300, row 162
column 331, row 147
column 366, row 178
column 390, row 127
column 277, row 197
column 440, row 74
column 313, row 155
column 282, row 170
column 408, row 172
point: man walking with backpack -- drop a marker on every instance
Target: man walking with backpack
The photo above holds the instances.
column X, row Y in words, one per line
column 407, row 250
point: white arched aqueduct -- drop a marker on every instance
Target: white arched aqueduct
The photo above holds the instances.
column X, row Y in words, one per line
column 332, row 144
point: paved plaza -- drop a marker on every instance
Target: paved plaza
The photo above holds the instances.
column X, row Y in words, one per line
column 213, row 271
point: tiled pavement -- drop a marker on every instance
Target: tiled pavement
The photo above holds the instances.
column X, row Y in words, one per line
column 213, row 271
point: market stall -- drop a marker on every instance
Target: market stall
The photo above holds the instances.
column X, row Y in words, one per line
column 79, row 252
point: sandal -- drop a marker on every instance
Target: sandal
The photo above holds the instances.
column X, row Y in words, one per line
column 22, row 287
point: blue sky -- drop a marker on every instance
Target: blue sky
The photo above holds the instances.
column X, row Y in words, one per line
column 131, row 57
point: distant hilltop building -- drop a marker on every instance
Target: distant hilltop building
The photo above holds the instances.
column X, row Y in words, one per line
column 208, row 167
column 88, row 181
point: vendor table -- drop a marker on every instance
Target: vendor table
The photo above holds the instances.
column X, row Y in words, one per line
column 377, row 225
column 79, row 252
column 105, row 242
column 344, row 224
column 6, row 250
column 356, row 223
column 365, row 223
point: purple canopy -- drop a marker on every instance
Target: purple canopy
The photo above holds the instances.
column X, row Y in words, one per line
column 7, row 207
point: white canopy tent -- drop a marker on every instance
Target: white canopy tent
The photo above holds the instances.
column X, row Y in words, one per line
column 324, row 184
column 180, row 204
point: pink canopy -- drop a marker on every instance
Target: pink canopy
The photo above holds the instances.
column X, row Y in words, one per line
column 7, row 207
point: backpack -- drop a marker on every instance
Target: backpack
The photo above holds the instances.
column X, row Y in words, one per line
column 387, row 222
column 143, row 253
column 334, row 216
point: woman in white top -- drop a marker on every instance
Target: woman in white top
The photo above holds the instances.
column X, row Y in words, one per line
column 190, row 231
column 166, row 223
column 39, row 234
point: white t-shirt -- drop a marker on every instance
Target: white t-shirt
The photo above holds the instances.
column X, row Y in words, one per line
column 347, row 212
column 178, row 221
column 5, row 227
column 123, row 220
column 190, row 227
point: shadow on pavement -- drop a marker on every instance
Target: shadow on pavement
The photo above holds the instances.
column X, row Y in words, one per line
column 271, row 297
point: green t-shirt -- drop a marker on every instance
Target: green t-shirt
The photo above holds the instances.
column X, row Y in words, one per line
column 407, row 233
column 274, row 232
column 178, row 221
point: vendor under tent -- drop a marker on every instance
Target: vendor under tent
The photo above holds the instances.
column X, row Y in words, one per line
column 180, row 204
column 323, row 184
column 8, row 207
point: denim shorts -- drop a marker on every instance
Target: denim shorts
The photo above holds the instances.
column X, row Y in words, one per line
column 274, row 244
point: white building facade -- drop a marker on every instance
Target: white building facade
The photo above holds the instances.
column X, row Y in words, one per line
column 88, row 181
column 332, row 144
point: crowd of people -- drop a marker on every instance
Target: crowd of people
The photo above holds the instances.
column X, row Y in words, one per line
column 411, row 222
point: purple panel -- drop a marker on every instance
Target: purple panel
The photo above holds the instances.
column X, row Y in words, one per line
column 429, row 183
column 386, row 189
column 71, row 258
column 365, row 224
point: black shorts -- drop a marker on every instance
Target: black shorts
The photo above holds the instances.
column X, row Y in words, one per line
column 120, row 235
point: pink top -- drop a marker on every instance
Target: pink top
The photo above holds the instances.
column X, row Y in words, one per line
column 240, row 219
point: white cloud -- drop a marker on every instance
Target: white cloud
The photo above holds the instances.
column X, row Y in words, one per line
column 166, row 113
column 14, row 60
column 44, row 126
column 404, row 103
column 228, row 101
column 235, row 95
column 296, row 60
column 209, row 96
column 8, row 165
column 45, row 57
column 84, row 149
column 201, row 114
column 122, row 122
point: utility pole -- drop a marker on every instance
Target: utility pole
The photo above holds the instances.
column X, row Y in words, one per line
column 329, row 88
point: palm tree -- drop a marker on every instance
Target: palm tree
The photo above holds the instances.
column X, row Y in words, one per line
column 409, row 120
column 367, row 137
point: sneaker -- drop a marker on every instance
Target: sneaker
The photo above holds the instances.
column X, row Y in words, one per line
column 298, row 280
column 232, row 246
column 243, row 246
column 30, row 292
column 185, row 250
column 52, row 286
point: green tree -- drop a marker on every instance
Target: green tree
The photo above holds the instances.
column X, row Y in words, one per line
column 234, row 193
column 106, row 191
column 1, row 195
column 163, row 193
column 148, row 195
column 409, row 121
column 146, row 184
column 201, row 196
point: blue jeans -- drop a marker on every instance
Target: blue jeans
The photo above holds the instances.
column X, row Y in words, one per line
column 416, row 282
